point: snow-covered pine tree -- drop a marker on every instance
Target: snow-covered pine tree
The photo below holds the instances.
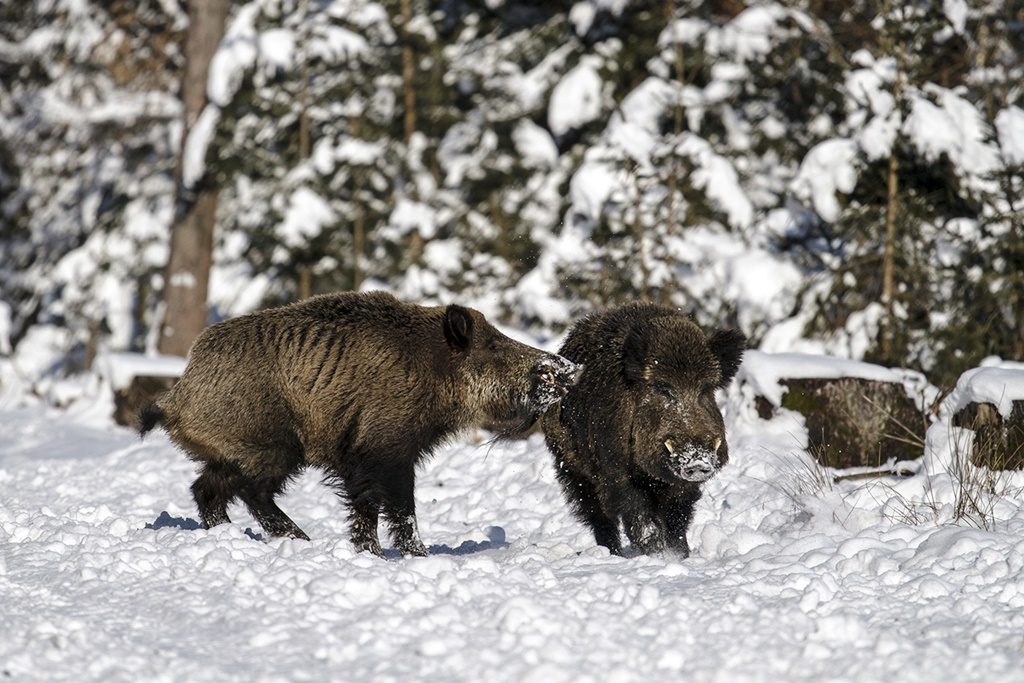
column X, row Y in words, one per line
column 534, row 160
column 680, row 189
column 910, row 164
column 495, row 169
column 987, row 301
column 87, row 122
column 303, row 147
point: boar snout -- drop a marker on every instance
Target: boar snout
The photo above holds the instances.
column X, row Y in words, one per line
column 552, row 377
column 692, row 461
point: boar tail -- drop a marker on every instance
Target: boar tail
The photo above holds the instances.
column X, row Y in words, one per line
column 149, row 417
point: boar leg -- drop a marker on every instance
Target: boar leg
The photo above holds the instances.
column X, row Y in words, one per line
column 643, row 529
column 586, row 505
column 645, row 534
column 258, row 496
column 675, row 507
column 363, row 526
column 362, row 493
column 400, row 511
column 214, row 489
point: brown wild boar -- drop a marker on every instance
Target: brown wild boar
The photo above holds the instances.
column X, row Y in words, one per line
column 362, row 386
column 639, row 432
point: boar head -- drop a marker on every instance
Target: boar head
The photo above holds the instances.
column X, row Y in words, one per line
column 672, row 370
column 503, row 382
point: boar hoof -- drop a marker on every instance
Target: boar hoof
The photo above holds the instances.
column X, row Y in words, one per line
column 650, row 546
column 413, row 548
column 279, row 529
column 646, row 537
column 369, row 546
column 679, row 549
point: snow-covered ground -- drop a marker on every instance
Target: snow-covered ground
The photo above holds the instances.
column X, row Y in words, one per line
column 105, row 575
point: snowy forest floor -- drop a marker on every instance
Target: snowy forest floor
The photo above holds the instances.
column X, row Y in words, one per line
column 106, row 575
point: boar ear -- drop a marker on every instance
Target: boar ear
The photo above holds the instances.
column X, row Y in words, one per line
column 634, row 355
column 458, row 327
column 728, row 345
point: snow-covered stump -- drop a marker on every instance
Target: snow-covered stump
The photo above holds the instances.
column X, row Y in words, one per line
column 856, row 414
column 998, row 441
column 854, row 422
column 989, row 401
column 136, row 380
column 140, row 392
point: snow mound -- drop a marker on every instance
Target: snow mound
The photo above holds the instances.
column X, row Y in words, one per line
column 119, row 368
column 107, row 574
column 764, row 372
column 1000, row 384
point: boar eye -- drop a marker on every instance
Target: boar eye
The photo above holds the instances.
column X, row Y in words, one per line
column 493, row 345
column 666, row 390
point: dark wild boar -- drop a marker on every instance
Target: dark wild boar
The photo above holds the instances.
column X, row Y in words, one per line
column 360, row 385
column 640, row 431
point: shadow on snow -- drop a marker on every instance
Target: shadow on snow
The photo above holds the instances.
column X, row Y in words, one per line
column 495, row 537
column 165, row 521
column 495, row 540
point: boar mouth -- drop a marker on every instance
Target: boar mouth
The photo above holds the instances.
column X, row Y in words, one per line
column 548, row 383
column 691, row 462
column 553, row 377
column 517, row 422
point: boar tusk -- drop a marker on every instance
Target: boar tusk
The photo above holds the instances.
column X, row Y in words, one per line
column 718, row 442
column 669, row 445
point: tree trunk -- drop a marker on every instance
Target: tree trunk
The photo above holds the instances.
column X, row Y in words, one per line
column 408, row 72
column 358, row 246
column 187, row 277
column 305, row 270
column 889, row 256
column 305, row 282
column 305, row 141
column 641, row 251
column 673, row 174
column 891, row 209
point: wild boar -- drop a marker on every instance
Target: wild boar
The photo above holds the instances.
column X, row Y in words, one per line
column 640, row 431
column 362, row 386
